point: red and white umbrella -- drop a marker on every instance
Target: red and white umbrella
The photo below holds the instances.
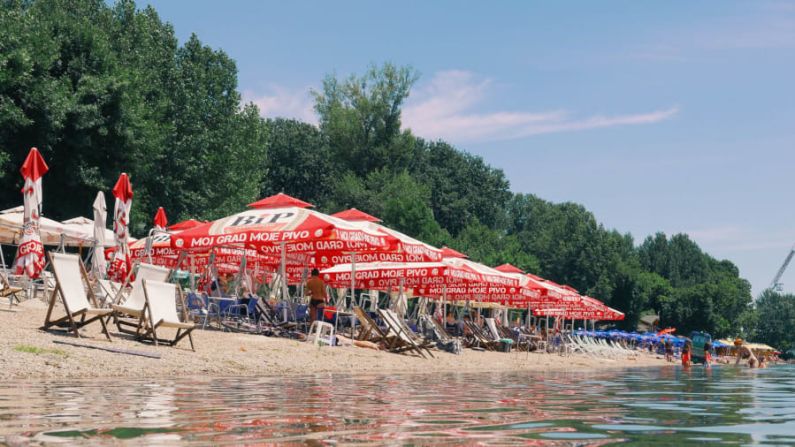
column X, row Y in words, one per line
column 410, row 275
column 280, row 224
column 407, row 250
column 30, row 254
column 186, row 225
column 121, row 263
column 161, row 221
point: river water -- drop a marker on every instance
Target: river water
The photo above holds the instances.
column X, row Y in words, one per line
column 667, row 406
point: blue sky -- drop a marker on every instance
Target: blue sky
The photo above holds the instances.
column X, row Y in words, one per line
column 664, row 116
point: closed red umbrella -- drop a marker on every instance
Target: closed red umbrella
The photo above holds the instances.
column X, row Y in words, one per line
column 30, row 254
column 120, row 264
column 161, row 221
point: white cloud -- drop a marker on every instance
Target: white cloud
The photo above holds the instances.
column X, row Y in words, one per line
column 444, row 109
column 284, row 103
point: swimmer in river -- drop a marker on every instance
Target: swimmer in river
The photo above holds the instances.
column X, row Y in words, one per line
column 744, row 352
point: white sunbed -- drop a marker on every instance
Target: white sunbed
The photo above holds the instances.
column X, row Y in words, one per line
column 133, row 304
column 71, row 289
column 160, row 311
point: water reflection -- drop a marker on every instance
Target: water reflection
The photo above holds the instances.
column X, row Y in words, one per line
column 635, row 407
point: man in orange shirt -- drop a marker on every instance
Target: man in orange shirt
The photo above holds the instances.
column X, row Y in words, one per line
column 316, row 289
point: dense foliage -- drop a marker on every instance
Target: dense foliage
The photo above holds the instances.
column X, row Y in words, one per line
column 103, row 89
column 776, row 316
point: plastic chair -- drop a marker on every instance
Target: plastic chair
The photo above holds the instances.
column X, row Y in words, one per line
column 321, row 333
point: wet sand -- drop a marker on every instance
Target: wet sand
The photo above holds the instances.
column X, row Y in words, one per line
column 27, row 352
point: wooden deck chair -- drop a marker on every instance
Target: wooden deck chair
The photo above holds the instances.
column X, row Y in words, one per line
column 70, row 286
column 368, row 329
column 128, row 313
column 438, row 329
column 9, row 291
column 405, row 337
column 160, row 311
column 478, row 339
column 418, row 339
column 108, row 291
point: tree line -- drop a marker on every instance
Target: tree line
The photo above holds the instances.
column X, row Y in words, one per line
column 102, row 89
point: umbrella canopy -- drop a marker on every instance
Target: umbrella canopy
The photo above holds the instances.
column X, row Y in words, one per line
column 297, row 229
column 30, row 254
column 186, row 225
column 161, row 221
column 386, row 275
column 90, row 232
column 280, row 200
column 495, row 286
column 121, row 263
column 508, row 268
column 51, row 232
column 98, row 264
column 448, row 252
column 354, row 215
column 407, row 250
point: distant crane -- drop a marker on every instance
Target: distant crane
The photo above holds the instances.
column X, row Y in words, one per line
column 776, row 285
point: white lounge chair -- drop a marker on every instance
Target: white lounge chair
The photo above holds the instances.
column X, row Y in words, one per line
column 133, row 304
column 160, row 311
column 70, row 286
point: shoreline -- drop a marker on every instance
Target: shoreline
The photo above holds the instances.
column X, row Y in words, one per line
column 29, row 353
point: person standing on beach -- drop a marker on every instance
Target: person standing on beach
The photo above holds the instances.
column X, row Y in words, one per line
column 316, row 289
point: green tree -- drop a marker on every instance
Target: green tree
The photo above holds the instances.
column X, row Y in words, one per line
column 776, row 319
column 360, row 116
column 299, row 162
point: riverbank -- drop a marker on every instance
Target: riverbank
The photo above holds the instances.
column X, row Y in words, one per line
column 27, row 352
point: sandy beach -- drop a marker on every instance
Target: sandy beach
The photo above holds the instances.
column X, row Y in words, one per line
column 27, row 352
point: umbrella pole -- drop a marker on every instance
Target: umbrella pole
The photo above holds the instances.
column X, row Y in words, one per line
column 283, row 273
column 2, row 257
column 192, row 275
column 148, row 246
column 399, row 304
column 527, row 320
column 353, row 293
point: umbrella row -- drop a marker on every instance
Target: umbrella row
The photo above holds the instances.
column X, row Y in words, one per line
column 283, row 233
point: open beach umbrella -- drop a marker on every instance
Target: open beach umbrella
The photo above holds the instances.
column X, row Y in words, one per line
column 509, row 268
column 186, row 225
column 98, row 264
column 386, row 275
column 121, row 263
column 30, row 254
column 279, row 224
column 85, row 227
column 51, row 232
column 161, row 221
column 408, row 249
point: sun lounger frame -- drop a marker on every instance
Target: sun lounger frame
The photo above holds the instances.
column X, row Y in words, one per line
column 70, row 318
